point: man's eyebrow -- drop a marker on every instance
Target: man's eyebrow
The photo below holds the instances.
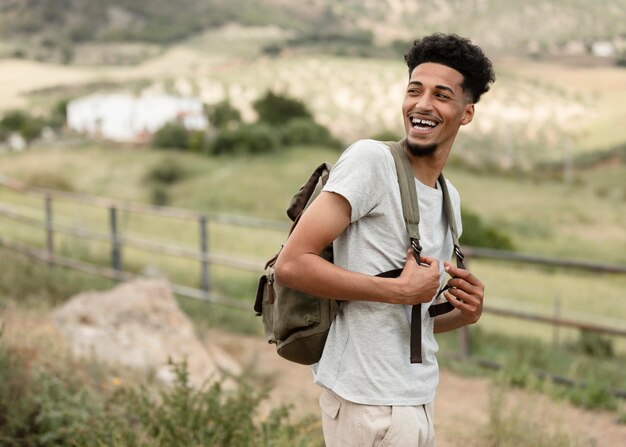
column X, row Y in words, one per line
column 440, row 87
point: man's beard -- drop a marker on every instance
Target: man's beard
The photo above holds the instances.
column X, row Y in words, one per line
column 421, row 150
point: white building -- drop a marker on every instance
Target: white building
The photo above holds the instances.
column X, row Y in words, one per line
column 603, row 49
column 125, row 118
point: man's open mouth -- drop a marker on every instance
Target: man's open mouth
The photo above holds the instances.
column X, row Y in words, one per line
column 422, row 124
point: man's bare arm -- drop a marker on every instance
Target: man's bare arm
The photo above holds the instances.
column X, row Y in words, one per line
column 299, row 265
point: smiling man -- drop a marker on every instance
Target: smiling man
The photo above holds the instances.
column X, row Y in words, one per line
column 372, row 394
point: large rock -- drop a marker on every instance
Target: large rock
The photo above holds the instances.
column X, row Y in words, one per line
column 139, row 324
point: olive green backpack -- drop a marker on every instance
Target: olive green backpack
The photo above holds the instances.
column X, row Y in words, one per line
column 298, row 323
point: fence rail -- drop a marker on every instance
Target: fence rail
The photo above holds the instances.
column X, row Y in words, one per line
column 205, row 257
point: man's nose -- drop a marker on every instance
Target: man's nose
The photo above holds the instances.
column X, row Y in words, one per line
column 423, row 103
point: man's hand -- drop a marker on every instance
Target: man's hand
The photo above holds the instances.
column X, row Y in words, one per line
column 466, row 293
column 418, row 283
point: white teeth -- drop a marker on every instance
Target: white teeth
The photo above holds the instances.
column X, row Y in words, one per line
column 416, row 121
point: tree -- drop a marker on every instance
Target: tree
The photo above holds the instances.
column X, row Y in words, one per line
column 278, row 109
column 223, row 114
column 171, row 135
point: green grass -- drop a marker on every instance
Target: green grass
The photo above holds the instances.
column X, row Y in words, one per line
column 547, row 217
column 526, row 361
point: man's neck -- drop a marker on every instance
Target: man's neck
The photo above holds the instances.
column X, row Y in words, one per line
column 427, row 169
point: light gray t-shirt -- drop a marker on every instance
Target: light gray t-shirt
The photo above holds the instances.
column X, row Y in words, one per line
column 367, row 355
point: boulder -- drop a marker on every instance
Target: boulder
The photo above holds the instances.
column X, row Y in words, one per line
column 139, row 324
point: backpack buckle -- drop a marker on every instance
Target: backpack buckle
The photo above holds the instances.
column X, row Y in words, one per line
column 458, row 253
column 417, row 249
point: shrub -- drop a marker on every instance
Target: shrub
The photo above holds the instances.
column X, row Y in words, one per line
column 305, row 131
column 171, row 136
column 58, row 114
column 14, row 120
column 247, row 139
column 593, row 395
column 477, row 234
column 17, row 409
column 167, row 171
column 25, row 124
column 223, row 114
column 278, row 109
column 594, row 344
column 196, row 141
column 45, row 406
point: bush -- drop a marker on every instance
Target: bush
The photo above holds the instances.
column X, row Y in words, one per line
column 23, row 123
column 278, row 109
column 171, row 136
column 58, row 114
column 167, row 172
column 14, row 120
column 223, row 114
column 46, row 407
column 247, row 139
column 595, row 344
column 304, row 131
column 477, row 234
column 196, row 141
column 17, row 410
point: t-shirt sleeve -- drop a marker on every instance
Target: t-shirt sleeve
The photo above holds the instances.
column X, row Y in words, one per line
column 361, row 175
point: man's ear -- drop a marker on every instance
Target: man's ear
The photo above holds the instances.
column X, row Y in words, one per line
column 469, row 114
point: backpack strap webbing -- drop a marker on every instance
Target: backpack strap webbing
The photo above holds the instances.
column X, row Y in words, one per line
column 410, row 211
column 445, row 307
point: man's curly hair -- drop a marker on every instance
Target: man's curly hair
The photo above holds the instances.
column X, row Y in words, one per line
column 458, row 53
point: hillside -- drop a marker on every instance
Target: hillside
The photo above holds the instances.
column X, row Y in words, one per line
column 552, row 102
column 54, row 29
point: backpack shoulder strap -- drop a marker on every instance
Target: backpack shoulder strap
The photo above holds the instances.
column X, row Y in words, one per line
column 445, row 307
column 449, row 210
column 410, row 212
column 408, row 195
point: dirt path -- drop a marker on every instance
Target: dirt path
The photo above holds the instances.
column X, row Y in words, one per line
column 462, row 405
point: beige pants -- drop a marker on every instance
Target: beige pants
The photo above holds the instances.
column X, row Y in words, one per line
column 347, row 424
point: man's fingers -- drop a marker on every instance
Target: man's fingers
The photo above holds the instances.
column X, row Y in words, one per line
column 432, row 262
column 463, row 274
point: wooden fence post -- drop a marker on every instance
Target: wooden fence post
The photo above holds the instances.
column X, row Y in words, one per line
column 49, row 227
column 116, row 245
column 205, row 280
column 557, row 316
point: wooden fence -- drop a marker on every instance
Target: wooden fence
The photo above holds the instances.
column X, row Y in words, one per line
column 203, row 255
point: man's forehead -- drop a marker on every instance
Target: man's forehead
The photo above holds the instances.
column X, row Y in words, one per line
column 432, row 72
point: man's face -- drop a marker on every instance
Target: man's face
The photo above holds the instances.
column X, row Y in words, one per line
column 434, row 108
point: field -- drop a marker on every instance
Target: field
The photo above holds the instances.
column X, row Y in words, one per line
column 538, row 114
column 569, row 221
